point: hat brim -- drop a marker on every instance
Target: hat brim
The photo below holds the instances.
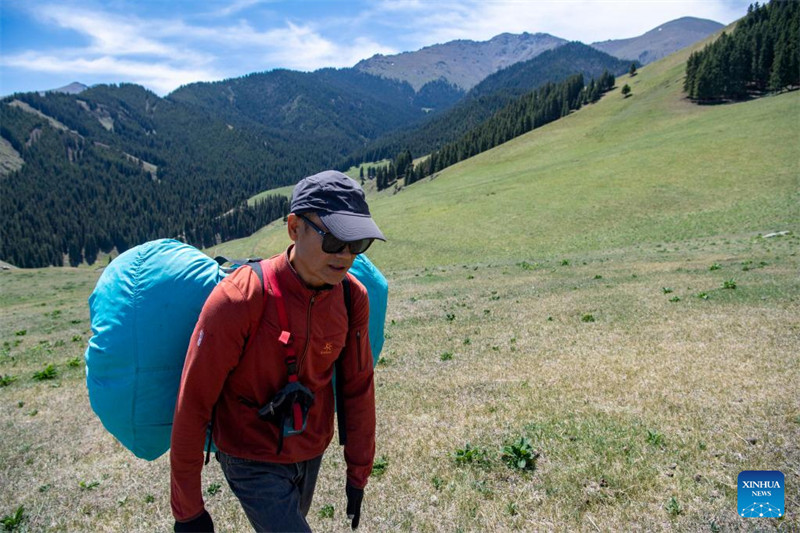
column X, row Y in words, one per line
column 351, row 227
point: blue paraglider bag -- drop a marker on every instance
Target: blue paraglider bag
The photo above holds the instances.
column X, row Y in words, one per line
column 143, row 311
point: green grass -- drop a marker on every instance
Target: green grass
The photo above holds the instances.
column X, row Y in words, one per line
column 652, row 168
column 642, row 415
column 284, row 191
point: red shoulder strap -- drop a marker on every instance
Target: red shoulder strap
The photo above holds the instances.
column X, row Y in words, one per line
column 285, row 337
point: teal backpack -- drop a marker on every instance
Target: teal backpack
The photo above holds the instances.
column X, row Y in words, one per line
column 143, row 311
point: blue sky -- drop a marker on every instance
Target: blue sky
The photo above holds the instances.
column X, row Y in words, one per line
column 164, row 44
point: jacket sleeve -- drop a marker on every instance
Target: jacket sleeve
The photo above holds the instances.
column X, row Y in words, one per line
column 228, row 315
column 359, row 392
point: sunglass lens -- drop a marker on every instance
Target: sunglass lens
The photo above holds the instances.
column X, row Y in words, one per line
column 332, row 245
column 360, row 246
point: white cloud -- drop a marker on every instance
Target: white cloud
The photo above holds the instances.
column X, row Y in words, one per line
column 158, row 77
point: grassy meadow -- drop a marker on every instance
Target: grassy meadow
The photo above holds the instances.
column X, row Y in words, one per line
column 603, row 288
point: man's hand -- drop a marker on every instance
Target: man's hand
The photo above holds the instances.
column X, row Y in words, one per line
column 354, row 498
column 201, row 524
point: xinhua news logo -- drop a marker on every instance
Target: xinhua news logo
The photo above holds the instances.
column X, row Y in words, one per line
column 761, row 494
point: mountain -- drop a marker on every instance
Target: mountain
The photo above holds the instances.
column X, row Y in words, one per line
column 551, row 66
column 140, row 167
column 464, row 63
column 339, row 109
column 73, row 88
column 491, row 95
column 661, row 41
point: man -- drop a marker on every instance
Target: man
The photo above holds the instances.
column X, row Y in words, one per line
column 241, row 363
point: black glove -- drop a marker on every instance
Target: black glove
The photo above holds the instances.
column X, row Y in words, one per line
column 201, row 524
column 354, row 498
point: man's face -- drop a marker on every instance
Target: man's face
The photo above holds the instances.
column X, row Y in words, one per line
column 316, row 267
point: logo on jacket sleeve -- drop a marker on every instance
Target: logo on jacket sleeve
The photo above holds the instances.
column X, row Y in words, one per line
column 760, row 493
column 327, row 349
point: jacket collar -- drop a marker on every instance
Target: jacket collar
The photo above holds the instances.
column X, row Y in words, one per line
column 291, row 281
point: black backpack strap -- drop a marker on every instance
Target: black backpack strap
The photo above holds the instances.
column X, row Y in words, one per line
column 340, row 414
column 255, row 264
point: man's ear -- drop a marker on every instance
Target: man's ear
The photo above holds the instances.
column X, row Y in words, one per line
column 292, row 225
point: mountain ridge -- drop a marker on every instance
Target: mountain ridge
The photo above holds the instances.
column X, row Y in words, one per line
column 661, row 41
column 466, row 63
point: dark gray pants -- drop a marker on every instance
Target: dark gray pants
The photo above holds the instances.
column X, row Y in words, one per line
column 275, row 497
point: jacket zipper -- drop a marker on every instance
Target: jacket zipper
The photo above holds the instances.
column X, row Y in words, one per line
column 358, row 347
column 308, row 335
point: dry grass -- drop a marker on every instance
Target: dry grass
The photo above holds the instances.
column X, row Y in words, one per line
column 653, row 400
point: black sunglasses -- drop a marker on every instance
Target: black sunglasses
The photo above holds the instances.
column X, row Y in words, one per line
column 332, row 245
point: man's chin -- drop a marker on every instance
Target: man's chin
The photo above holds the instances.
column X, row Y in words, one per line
column 335, row 275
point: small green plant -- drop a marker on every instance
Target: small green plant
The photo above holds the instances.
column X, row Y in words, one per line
column 75, row 362
column 88, row 486
column 467, row 341
column 520, row 455
column 565, row 262
column 666, row 290
column 437, row 482
column 675, row 299
column 13, row 521
column 587, row 318
column 446, row 356
column 673, row 507
column 451, row 317
column 702, row 295
column 149, row 498
column 382, row 361
column 526, row 266
column 598, row 276
column 49, row 372
column 77, row 338
column 729, row 284
column 715, row 266
column 655, row 437
column 21, row 332
column 470, row 456
column 379, row 466
column 511, row 508
column 213, row 489
column 326, row 511
column 5, row 381
column 44, row 488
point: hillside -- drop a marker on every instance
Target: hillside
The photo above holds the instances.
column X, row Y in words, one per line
column 464, row 63
column 661, row 41
column 140, row 166
column 649, row 163
column 490, row 96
